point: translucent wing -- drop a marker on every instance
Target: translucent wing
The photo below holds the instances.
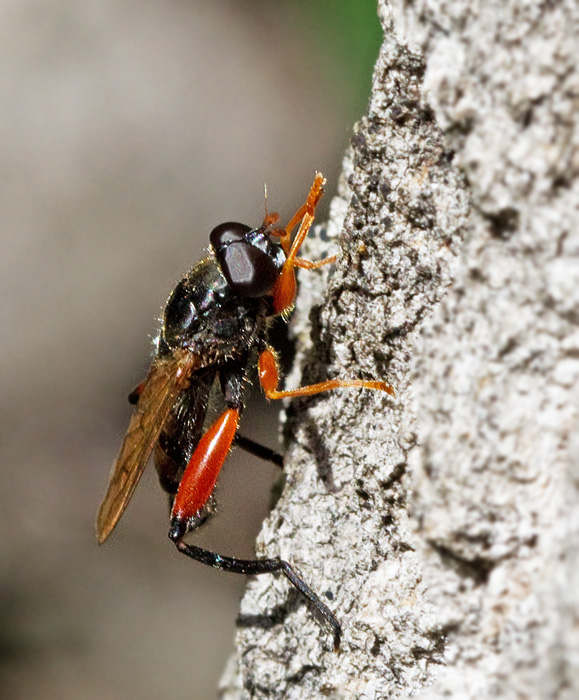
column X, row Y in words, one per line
column 166, row 379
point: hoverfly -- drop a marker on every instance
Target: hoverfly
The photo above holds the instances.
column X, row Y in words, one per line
column 214, row 325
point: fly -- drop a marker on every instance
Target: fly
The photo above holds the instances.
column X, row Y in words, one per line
column 214, row 327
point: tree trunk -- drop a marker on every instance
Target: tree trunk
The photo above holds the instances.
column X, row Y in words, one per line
column 442, row 523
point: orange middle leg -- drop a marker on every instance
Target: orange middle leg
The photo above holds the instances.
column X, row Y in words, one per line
column 269, row 380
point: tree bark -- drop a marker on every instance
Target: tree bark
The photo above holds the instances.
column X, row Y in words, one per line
column 441, row 522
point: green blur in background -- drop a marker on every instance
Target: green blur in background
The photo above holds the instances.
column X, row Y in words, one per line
column 349, row 35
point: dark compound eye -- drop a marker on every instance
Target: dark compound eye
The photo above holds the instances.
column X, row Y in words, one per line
column 227, row 233
column 249, row 270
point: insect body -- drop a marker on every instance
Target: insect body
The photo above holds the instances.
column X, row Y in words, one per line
column 214, row 325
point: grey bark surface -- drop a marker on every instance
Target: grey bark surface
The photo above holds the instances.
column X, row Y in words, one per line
column 441, row 522
column 496, row 478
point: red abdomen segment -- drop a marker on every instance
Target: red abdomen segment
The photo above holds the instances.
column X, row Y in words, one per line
column 204, row 466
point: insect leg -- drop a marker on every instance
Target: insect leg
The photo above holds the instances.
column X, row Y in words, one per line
column 308, row 207
column 258, row 450
column 269, row 380
column 284, row 291
column 201, row 473
column 310, row 265
column 252, row 567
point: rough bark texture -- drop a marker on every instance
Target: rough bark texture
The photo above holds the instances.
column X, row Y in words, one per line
column 445, row 530
column 343, row 514
column 496, row 372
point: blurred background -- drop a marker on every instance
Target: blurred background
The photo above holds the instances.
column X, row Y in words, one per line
column 127, row 131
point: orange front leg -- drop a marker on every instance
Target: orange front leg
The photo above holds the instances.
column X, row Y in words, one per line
column 201, row 473
column 314, row 265
column 269, row 380
column 284, row 291
column 309, row 207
